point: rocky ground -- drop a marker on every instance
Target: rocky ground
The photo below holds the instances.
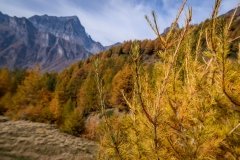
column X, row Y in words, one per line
column 23, row 140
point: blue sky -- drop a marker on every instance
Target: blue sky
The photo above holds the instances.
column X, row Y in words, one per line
column 111, row 21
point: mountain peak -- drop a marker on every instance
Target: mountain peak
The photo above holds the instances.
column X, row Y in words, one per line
column 50, row 41
column 45, row 16
column 2, row 14
column 68, row 28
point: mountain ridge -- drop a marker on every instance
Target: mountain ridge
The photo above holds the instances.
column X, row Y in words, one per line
column 53, row 45
column 68, row 28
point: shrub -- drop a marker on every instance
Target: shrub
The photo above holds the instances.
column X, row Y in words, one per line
column 74, row 122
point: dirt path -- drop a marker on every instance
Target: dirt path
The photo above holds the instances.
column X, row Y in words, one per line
column 23, row 140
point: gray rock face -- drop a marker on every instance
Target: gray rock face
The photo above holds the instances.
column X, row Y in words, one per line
column 68, row 28
column 52, row 43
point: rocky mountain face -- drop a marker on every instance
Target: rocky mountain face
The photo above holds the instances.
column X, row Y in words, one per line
column 50, row 42
column 68, row 28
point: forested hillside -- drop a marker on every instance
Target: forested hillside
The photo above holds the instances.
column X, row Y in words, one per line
column 52, row 97
column 177, row 95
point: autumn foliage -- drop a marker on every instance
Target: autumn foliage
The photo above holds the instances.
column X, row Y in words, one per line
column 187, row 106
column 175, row 97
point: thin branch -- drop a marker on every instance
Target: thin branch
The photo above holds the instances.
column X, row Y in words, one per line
column 155, row 23
column 235, row 128
column 235, row 39
column 232, row 17
column 176, row 19
column 167, row 75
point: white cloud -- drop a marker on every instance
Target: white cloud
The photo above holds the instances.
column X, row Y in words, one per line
column 111, row 21
column 117, row 21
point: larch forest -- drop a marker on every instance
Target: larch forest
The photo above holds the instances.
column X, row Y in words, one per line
column 176, row 97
